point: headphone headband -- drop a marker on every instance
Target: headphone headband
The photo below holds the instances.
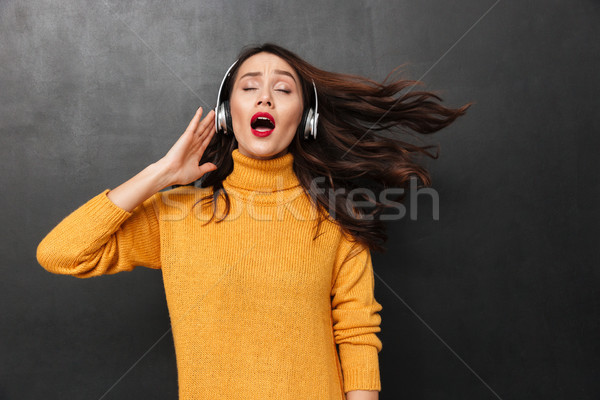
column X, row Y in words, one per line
column 315, row 117
column 220, row 119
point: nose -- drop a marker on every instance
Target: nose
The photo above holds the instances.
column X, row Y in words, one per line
column 264, row 98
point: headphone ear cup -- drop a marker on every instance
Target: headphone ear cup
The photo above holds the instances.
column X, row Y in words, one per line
column 311, row 125
column 302, row 126
column 227, row 115
column 222, row 113
column 220, row 119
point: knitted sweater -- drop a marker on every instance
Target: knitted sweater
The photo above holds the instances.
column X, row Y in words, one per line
column 258, row 309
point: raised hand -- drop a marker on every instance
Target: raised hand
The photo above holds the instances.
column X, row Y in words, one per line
column 181, row 161
column 178, row 167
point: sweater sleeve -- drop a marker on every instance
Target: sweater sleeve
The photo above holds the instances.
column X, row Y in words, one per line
column 101, row 238
column 355, row 317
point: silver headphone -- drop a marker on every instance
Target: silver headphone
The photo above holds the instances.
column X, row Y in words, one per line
column 223, row 124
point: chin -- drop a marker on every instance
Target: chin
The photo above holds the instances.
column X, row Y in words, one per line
column 262, row 152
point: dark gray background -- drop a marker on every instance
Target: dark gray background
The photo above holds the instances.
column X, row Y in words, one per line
column 495, row 300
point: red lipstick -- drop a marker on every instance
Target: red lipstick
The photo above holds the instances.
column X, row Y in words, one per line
column 263, row 121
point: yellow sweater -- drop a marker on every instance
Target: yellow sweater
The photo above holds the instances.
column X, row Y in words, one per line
column 256, row 306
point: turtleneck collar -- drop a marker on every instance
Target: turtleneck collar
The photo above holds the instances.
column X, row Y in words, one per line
column 257, row 175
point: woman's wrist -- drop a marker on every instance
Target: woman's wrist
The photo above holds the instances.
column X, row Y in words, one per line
column 161, row 173
column 142, row 186
column 362, row 395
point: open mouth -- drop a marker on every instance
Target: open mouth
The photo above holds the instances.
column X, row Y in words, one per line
column 262, row 123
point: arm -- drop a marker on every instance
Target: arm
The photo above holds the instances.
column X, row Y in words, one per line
column 356, row 320
column 100, row 238
column 118, row 229
column 178, row 167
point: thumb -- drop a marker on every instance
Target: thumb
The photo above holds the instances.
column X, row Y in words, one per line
column 207, row 167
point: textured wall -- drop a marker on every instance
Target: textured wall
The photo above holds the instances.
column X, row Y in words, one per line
column 496, row 299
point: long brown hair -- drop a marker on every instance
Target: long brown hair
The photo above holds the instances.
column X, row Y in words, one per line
column 349, row 150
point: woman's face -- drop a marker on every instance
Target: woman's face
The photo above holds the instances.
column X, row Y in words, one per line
column 266, row 106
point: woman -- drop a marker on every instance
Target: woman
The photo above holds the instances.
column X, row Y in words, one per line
column 267, row 268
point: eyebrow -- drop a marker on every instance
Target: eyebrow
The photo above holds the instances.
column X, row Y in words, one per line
column 277, row 71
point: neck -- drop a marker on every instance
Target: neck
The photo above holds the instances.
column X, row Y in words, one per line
column 261, row 175
column 281, row 153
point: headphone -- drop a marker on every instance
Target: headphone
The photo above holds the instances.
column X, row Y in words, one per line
column 223, row 124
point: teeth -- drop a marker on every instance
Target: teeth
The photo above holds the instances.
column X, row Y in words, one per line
column 263, row 123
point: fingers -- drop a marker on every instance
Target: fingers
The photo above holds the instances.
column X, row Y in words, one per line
column 206, row 129
column 206, row 136
column 194, row 122
column 207, row 122
column 199, row 139
column 201, row 133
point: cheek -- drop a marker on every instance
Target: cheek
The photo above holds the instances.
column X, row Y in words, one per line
column 236, row 111
column 295, row 111
column 300, row 113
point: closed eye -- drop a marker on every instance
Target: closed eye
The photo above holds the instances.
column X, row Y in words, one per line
column 277, row 90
